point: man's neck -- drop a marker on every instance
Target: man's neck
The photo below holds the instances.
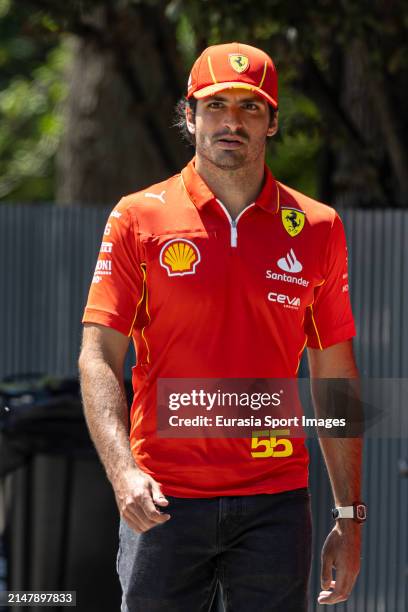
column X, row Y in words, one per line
column 236, row 189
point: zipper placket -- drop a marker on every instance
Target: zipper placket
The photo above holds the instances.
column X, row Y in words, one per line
column 233, row 222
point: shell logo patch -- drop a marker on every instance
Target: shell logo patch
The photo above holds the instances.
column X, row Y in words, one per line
column 238, row 62
column 180, row 256
column 293, row 220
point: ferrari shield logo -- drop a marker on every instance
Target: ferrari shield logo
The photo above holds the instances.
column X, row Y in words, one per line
column 293, row 220
column 238, row 62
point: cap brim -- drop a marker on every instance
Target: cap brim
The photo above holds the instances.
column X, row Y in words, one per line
column 210, row 90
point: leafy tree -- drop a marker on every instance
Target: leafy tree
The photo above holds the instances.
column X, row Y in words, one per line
column 343, row 69
column 32, row 59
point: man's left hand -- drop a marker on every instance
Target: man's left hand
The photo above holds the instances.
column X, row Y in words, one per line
column 341, row 551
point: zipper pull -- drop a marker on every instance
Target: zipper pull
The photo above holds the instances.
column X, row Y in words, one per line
column 234, row 233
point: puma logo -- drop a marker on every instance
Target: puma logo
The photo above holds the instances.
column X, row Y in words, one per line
column 158, row 196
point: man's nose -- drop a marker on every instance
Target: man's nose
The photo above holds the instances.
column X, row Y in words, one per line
column 232, row 118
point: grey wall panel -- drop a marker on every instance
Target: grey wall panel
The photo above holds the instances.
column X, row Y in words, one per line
column 379, row 289
column 47, row 259
column 47, row 256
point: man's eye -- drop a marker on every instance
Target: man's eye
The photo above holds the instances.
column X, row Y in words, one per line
column 214, row 105
column 251, row 106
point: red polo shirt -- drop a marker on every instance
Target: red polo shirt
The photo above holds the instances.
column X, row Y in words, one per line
column 204, row 296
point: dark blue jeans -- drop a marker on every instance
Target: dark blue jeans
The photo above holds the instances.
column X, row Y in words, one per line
column 257, row 546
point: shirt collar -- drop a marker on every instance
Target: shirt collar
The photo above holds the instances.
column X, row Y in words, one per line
column 200, row 194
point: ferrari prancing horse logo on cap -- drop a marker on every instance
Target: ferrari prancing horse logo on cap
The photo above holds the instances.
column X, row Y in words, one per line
column 293, row 220
column 238, row 62
column 179, row 256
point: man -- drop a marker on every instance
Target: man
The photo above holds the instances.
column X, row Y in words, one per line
column 220, row 272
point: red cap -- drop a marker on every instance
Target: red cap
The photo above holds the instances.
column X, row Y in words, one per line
column 234, row 65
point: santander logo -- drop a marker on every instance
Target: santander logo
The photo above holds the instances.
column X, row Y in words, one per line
column 290, row 263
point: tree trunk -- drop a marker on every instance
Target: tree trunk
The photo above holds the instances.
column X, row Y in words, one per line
column 124, row 81
column 375, row 172
column 356, row 181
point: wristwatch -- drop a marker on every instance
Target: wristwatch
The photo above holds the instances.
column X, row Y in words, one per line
column 357, row 512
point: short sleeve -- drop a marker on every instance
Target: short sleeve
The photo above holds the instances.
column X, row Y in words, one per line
column 117, row 286
column 329, row 319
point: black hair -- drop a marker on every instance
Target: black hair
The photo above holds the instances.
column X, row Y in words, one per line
column 180, row 118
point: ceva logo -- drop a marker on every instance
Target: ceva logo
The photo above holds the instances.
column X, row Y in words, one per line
column 285, row 300
column 290, row 263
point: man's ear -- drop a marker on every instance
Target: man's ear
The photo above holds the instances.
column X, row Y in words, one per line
column 274, row 126
column 189, row 120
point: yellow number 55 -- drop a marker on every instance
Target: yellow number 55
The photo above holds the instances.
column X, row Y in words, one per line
column 272, row 446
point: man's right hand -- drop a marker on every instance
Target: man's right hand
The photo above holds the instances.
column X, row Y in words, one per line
column 136, row 495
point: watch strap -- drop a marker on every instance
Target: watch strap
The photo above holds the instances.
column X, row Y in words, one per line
column 344, row 512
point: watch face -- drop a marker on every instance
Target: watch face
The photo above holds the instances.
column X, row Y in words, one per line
column 361, row 512
column 335, row 513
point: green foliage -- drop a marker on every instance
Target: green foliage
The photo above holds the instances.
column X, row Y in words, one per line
column 30, row 130
column 32, row 63
column 301, row 36
column 293, row 155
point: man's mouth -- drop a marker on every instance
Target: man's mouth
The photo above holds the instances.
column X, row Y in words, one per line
column 230, row 142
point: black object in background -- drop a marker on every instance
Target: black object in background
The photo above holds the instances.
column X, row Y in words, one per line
column 60, row 516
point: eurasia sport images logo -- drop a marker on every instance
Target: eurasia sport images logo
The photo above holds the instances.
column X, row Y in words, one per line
column 179, row 257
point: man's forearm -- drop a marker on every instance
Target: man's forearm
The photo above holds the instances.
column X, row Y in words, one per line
column 343, row 458
column 106, row 414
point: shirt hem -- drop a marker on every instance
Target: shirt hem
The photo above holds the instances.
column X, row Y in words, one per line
column 265, row 489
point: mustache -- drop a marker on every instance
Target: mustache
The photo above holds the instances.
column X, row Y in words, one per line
column 239, row 133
